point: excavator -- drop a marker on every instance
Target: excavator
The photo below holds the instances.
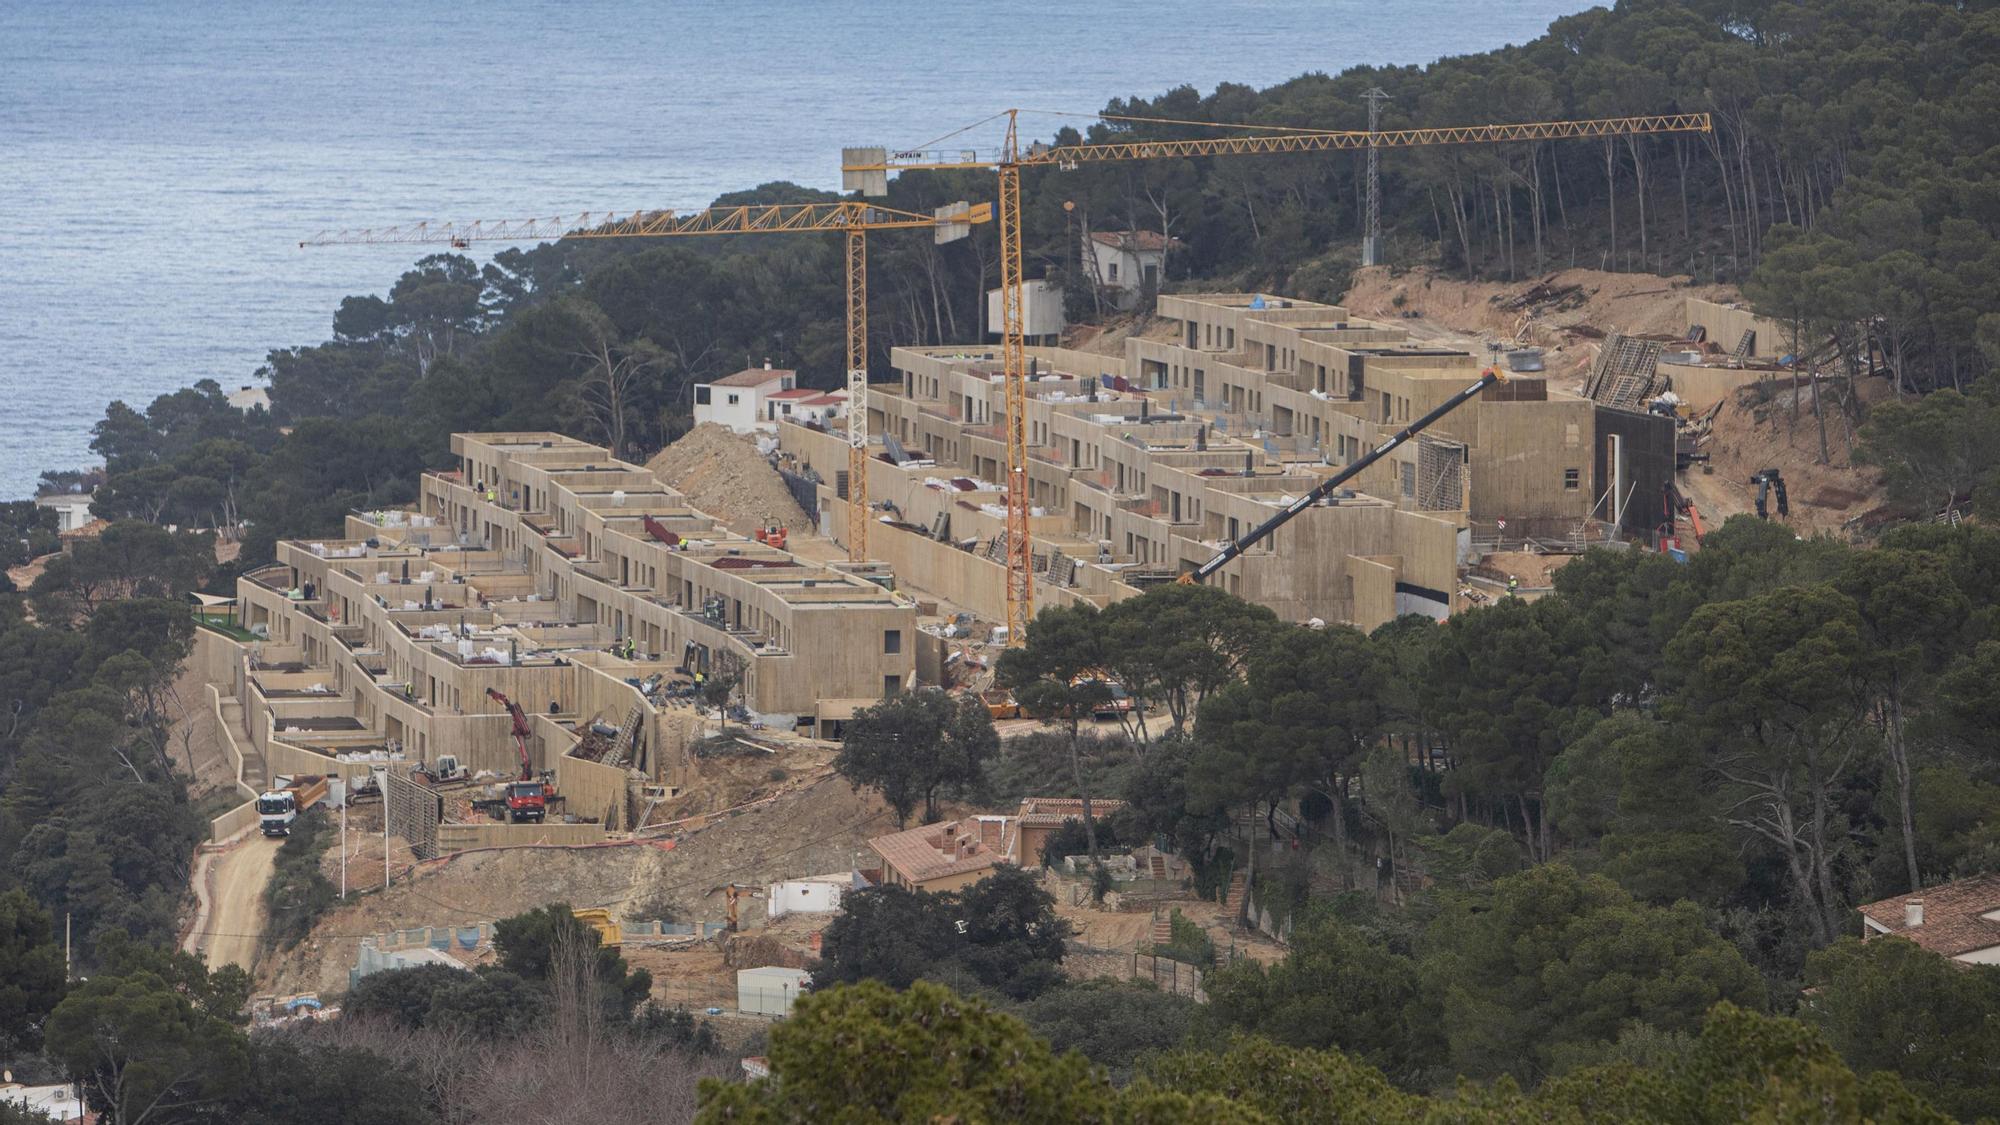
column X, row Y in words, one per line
column 1326, row 488
column 733, row 891
column 527, row 795
column 1767, row 481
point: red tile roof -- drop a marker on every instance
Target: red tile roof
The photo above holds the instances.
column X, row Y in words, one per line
column 1954, row 922
column 1051, row 812
column 936, row 851
column 796, row 392
column 1130, row 239
column 753, row 377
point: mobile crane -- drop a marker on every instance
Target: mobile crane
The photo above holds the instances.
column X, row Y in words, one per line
column 1325, row 488
column 527, row 796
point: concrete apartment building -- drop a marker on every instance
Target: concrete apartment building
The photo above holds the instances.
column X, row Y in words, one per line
column 1144, row 465
column 575, row 584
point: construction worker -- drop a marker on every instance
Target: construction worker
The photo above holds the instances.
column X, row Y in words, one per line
column 1513, row 585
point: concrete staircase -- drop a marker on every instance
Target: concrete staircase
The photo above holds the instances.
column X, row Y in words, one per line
column 256, row 774
column 1156, row 867
column 1163, row 929
column 1232, row 901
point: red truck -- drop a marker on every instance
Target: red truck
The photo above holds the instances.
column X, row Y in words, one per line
column 527, row 796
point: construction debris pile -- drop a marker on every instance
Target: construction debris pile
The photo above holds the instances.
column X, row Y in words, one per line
column 722, row 473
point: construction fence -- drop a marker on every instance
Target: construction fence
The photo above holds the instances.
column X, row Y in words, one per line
column 474, row 936
column 1167, row 974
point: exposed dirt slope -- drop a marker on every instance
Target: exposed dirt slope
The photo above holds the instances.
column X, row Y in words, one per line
column 722, row 473
column 1110, row 339
column 1750, row 436
column 1452, row 308
column 194, row 740
column 1566, row 312
column 815, row 828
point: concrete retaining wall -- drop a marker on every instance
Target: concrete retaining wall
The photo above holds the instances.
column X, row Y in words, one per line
column 214, row 658
column 244, row 815
column 242, row 818
column 592, row 789
column 1726, row 327
column 1704, row 386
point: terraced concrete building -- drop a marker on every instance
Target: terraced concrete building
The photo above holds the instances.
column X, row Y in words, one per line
column 1143, row 465
column 576, row 585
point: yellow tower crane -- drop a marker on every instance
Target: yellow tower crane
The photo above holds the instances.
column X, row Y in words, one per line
column 867, row 170
column 855, row 219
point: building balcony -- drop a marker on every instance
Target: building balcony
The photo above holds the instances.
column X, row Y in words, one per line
column 276, row 578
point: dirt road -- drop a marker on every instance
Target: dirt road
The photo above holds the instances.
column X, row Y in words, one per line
column 237, row 919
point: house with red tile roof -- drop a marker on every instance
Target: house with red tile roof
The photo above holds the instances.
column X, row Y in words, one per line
column 954, row 853
column 1125, row 264
column 737, row 400
column 804, row 405
column 944, row 856
column 1959, row 920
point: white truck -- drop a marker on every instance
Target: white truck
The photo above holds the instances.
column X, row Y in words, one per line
column 279, row 806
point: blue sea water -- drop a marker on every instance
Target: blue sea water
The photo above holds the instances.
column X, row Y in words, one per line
column 160, row 161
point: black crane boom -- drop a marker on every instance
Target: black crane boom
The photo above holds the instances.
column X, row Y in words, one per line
column 1326, row 487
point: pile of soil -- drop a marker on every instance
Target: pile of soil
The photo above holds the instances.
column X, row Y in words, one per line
column 721, row 473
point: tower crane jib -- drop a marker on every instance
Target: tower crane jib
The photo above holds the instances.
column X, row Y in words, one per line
column 867, row 170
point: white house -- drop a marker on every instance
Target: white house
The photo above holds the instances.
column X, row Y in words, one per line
column 818, row 894
column 1959, row 920
column 804, row 405
column 247, row 399
column 737, row 401
column 1126, row 263
column 72, row 508
column 61, row 1103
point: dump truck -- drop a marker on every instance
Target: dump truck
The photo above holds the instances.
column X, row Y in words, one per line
column 278, row 806
column 1116, row 702
column 610, row 935
column 1000, row 704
